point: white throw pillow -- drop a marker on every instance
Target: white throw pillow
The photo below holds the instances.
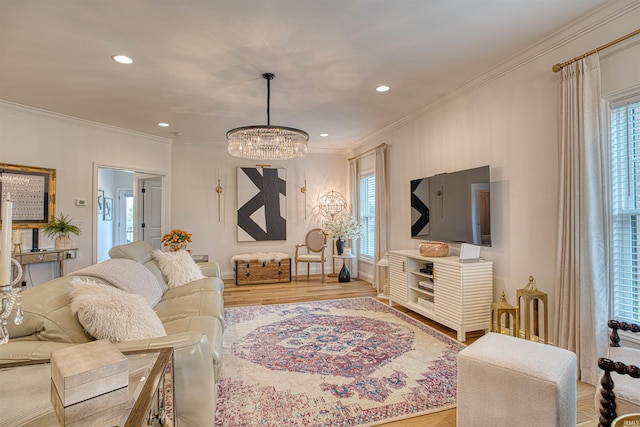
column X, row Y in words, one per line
column 108, row 313
column 177, row 267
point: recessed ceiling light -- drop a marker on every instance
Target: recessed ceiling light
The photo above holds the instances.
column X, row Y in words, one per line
column 163, row 124
column 383, row 88
column 122, row 59
column 324, row 134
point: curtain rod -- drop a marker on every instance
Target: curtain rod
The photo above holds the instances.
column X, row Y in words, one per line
column 383, row 145
column 560, row 66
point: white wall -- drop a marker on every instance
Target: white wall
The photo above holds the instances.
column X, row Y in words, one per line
column 36, row 138
column 508, row 120
column 195, row 171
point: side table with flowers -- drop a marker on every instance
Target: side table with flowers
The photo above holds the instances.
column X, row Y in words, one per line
column 342, row 228
column 176, row 240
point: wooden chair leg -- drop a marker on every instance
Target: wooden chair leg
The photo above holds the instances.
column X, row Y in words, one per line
column 296, row 270
column 322, row 272
column 307, row 272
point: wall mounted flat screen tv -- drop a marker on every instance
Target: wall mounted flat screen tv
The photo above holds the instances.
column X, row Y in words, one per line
column 453, row 207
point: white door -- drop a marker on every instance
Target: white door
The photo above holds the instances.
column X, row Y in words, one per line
column 125, row 216
column 149, row 213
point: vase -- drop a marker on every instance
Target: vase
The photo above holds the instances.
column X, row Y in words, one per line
column 62, row 242
column 344, row 275
column 173, row 247
column 340, row 244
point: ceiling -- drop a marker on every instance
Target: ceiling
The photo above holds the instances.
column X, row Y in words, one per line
column 198, row 63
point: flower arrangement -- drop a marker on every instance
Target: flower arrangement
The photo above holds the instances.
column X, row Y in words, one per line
column 343, row 227
column 177, row 239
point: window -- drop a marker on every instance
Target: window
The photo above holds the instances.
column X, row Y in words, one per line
column 367, row 214
column 625, row 194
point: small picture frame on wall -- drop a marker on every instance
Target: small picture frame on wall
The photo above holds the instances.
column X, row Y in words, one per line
column 101, row 202
column 108, row 208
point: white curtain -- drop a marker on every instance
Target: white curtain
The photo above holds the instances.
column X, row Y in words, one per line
column 380, row 245
column 354, row 172
column 583, row 274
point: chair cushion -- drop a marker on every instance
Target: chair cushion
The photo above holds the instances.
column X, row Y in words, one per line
column 199, row 298
column 309, row 258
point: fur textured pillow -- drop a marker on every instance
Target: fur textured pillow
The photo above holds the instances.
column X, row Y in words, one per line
column 177, row 267
column 108, row 313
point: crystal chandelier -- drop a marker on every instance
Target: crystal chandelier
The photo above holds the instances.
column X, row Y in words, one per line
column 267, row 142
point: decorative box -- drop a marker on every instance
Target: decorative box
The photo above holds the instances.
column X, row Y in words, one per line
column 92, row 412
column 88, row 370
column 259, row 270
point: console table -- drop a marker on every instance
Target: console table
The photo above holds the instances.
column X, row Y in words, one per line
column 46, row 255
column 455, row 294
column 25, row 388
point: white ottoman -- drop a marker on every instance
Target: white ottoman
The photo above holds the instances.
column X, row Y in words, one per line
column 507, row 381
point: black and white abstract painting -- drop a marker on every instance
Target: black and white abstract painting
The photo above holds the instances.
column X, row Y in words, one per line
column 419, row 207
column 262, row 204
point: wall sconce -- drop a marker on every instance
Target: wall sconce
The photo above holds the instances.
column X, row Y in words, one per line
column 303, row 190
column 219, row 191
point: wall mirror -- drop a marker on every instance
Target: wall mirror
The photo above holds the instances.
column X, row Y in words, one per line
column 33, row 193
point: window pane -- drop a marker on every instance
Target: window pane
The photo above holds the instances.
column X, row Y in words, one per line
column 625, row 176
column 366, row 215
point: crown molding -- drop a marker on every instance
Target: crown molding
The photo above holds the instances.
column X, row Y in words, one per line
column 12, row 106
column 577, row 29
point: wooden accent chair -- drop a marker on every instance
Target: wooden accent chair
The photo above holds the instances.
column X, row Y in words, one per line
column 315, row 244
column 625, row 362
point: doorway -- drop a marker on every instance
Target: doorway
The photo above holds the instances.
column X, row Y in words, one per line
column 125, row 205
column 138, row 208
column 149, row 219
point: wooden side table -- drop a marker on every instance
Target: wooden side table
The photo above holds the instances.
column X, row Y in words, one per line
column 25, row 388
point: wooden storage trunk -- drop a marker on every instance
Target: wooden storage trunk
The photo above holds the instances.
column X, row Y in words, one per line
column 255, row 272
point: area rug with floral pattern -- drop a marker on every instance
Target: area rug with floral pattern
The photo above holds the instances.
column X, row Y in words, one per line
column 348, row 362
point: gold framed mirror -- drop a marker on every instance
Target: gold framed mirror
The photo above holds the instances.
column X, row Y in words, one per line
column 33, row 193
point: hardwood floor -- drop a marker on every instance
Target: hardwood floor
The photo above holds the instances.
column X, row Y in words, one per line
column 315, row 290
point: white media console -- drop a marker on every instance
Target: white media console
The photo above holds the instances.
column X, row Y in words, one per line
column 455, row 294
